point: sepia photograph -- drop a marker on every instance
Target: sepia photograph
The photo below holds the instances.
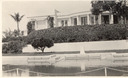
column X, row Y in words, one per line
column 65, row 38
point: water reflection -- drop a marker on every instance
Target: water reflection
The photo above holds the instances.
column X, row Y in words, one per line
column 16, row 72
column 60, row 66
column 64, row 71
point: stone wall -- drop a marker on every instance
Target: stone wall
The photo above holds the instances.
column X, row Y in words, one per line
column 88, row 46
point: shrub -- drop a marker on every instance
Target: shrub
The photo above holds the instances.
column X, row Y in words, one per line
column 13, row 47
column 42, row 43
column 8, row 39
column 81, row 33
column 50, row 21
column 9, row 35
column 30, row 27
column 4, row 48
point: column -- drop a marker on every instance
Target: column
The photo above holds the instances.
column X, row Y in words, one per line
column 36, row 25
column 78, row 20
column 70, row 21
column 99, row 19
column 122, row 22
column 105, row 71
column 111, row 19
column 56, row 18
column 46, row 24
column 94, row 19
column 88, row 19
column 59, row 23
column 17, row 72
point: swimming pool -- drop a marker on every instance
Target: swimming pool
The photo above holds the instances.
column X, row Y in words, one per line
column 72, row 65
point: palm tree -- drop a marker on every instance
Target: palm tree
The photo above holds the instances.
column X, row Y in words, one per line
column 17, row 18
column 50, row 21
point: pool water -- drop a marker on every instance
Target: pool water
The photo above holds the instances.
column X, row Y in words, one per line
column 65, row 67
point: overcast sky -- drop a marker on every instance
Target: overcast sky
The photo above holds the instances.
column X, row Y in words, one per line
column 38, row 8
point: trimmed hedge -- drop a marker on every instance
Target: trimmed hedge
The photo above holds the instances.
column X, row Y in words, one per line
column 81, row 33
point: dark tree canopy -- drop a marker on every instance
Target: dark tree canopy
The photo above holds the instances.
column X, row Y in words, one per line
column 42, row 43
column 121, row 10
column 29, row 27
column 101, row 6
column 118, row 8
column 50, row 21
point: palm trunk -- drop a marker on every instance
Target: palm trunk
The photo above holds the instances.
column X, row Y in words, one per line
column 18, row 28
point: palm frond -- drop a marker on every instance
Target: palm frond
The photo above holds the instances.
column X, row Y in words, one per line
column 13, row 17
column 21, row 17
column 17, row 17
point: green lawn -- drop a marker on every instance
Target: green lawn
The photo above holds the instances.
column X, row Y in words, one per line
column 75, row 52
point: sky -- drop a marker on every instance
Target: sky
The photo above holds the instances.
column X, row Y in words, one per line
column 38, row 8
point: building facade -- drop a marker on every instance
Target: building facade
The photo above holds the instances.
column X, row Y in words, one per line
column 76, row 19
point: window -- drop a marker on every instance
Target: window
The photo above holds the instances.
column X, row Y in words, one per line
column 83, row 20
column 33, row 24
column 62, row 23
column 75, row 21
column 92, row 20
column 66, row 23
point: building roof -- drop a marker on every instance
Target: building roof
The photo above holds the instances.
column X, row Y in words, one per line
column 64, row 16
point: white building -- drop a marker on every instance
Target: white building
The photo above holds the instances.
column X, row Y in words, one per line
column 75, row 19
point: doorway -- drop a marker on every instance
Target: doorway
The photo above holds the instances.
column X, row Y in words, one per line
column 115, row 19
column 105, row 19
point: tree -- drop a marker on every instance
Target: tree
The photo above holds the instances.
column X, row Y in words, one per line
column 42, row 43
column 15, row 33
column 29, row 27
column 50, row 21
column 97, row 8
column 96, row 12
column 121, row 10
column 118, row 8
column 17, row 18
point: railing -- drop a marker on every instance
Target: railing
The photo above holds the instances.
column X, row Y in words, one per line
column 72, row 74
